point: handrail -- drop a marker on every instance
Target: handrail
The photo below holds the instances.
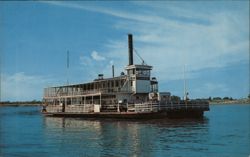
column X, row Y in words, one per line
column 134, row 107
column 85, row 92
column 172, row 106
column 71, row 108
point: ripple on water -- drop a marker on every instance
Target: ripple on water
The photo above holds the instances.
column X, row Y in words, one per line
column 25, row 132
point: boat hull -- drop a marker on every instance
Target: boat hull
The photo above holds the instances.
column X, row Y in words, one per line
column 132, row 115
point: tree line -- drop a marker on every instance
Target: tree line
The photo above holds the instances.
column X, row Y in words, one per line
column 177, row 98
column 21, row 102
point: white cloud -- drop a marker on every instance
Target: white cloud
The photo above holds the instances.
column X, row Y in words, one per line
column 84, row 60
column 22, row 87
column 212, row 89
column 91, row 66
column 97, row 56
column 111, row 62
column 108, row 11
column 221, row 42
column 169, row 35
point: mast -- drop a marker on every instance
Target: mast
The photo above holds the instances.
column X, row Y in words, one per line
column 67, row 67
column 184, row 79
column 185, row 84
column 67, row 90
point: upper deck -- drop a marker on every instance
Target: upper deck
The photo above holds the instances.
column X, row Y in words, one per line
column 105, row 86
column 136, row 81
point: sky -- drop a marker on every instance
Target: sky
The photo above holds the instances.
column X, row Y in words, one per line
column 209, row 38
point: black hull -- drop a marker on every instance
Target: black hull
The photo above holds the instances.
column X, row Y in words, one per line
column 184, row 114
column 124, row 115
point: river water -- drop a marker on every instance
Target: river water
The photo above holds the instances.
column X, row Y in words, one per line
column 224, row 131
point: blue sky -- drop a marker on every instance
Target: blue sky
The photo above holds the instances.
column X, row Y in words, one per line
column 211, row 39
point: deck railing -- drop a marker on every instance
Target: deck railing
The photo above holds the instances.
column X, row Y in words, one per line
column 71, row 108
column 143, row 107
column 74, row 93
column 54, row 108
column 190, row 105
column 82, row 92
column 136, row 107
column 80, row 108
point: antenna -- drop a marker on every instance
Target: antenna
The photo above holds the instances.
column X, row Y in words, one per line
column 185, row 84
column 1, row 61
column 184, row 79
column 67, row 67
column 143, row 62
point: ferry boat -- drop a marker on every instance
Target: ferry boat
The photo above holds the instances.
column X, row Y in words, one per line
column 132, row 95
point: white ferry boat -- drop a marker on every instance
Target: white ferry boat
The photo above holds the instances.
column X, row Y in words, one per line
column 131, row 95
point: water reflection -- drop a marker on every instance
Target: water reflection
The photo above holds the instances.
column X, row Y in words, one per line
column 25, row 132
column 125, row 138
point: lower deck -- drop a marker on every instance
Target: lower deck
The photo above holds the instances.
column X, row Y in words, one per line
column 130, row 111
column 132, row 115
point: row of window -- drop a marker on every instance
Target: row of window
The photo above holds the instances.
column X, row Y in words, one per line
column 139, row 72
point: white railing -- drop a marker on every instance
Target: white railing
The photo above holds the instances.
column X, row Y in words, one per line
column 85, row 92
column 71, row 93
column 138, row 107
column 54, row 108
column 176, row 106
column 143, row 107
column 80, row 108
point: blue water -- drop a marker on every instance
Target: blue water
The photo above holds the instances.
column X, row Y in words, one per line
column 224, row 132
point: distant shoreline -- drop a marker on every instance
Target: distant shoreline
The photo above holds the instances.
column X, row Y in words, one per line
column 213, row 103
column 21, row 103
column 228, row 102
column 17, row 105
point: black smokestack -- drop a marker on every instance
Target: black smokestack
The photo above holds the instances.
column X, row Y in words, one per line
column 130, row 49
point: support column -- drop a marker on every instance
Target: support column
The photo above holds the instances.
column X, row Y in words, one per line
column 100, row 100
column 84, row 104
column 93, row 103
column 118, row 107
